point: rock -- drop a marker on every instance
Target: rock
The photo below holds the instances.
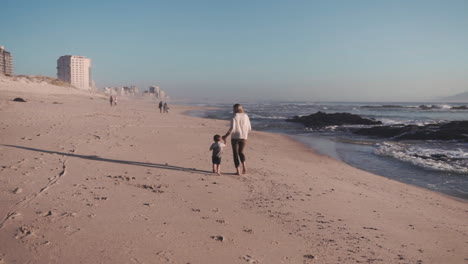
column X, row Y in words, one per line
column 321, row 119
column 455, row 130
column 17, row 190
column 462, row 107
column 19, row 99
column 425, row 107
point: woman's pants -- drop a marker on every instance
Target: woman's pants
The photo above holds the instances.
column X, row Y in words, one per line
column 238, row 146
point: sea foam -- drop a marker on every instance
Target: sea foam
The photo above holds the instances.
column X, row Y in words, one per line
column 426, row 157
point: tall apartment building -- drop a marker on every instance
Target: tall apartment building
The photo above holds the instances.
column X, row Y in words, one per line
column 6, row 62
column 75, row 70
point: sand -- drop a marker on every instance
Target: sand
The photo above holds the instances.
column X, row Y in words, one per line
column 83, row 182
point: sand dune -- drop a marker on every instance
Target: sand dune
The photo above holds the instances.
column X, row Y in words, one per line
column 83, row 182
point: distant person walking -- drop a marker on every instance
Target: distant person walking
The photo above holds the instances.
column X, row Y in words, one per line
column 160, row 107
column 111, row 100
column 115, row 100
column 239, row 131
column 166, row 108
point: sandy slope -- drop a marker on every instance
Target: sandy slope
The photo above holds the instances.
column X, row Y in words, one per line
column 81, row 182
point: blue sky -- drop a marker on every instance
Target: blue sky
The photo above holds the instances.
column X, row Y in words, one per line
column 284, row 50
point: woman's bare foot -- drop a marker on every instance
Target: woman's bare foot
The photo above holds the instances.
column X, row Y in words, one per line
column 237, row 171
column 219, row 173
column 244, row 168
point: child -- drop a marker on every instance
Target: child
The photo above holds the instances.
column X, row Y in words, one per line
column 217, row 148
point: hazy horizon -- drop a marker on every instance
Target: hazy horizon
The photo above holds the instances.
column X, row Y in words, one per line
column 272, row 50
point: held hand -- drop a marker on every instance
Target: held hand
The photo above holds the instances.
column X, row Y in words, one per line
column 224, row 138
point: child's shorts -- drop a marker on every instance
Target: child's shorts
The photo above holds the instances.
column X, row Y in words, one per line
column 216, row 160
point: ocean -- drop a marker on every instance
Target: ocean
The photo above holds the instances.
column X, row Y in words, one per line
column 441, row 166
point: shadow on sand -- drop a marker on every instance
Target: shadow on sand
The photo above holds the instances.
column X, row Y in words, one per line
column 97, row 158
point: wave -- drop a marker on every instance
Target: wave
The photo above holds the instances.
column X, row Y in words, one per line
column 401, row 121
column 257, row 116
column 426, row 157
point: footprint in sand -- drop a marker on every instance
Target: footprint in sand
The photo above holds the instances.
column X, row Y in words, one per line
column 17, row 190
column 218, row 238
column 23, row 232
column 249, row 259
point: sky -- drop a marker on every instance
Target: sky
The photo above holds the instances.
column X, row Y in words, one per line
column 361, row 50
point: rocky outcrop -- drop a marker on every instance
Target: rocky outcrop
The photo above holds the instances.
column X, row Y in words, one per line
column 321, row 119
column 462, row 107
column 455, row 130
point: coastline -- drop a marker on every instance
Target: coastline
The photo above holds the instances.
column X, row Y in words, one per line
column 432, row 165
column 128, row 184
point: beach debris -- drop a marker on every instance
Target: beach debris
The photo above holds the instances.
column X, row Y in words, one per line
column 309, row 256
column 19, row 99
column 218, row 238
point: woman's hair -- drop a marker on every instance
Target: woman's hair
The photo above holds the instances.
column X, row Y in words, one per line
column 238, row 108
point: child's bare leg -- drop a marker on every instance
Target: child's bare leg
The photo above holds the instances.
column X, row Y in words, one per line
column 219, row 169
column 244, row 168
column 214, row 168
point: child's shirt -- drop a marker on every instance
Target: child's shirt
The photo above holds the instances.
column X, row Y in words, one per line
column 217, row 148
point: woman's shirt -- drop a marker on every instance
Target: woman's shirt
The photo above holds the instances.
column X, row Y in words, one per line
column 240, row 125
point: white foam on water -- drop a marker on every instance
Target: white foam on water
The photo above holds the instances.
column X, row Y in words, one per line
column 267, row 117
column 391, row 121
column 429, row 158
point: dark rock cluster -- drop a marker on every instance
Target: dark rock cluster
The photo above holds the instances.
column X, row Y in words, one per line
column 321, row 119
column 455, row 130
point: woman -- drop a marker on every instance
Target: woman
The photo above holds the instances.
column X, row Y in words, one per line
column 239, row 131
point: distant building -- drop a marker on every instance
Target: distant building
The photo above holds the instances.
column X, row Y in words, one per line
column 75, row 70
column 6, row 62
column 129, row 90
column 157, row 92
